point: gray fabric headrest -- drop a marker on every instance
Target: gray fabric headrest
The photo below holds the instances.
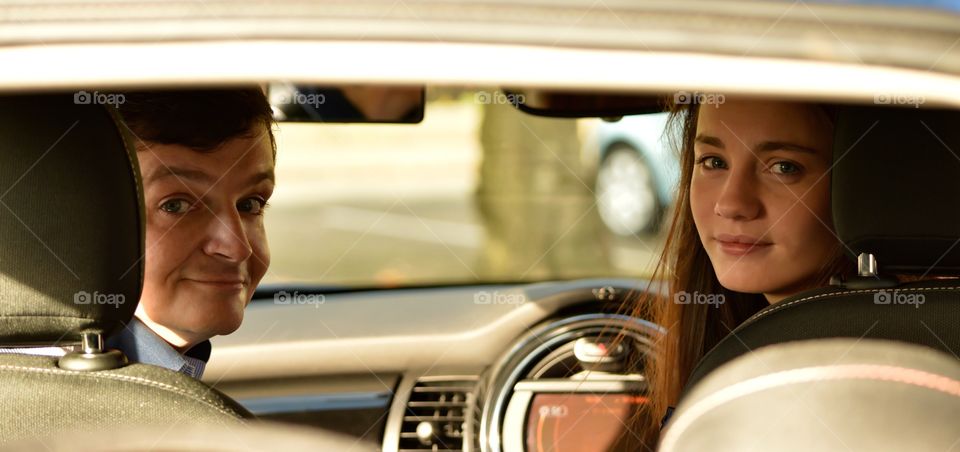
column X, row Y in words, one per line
column 71, row 220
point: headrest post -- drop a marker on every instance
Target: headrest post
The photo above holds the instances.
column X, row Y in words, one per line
column 92, row 343
column 92, row 356
column 867, row 276
column 866, row 265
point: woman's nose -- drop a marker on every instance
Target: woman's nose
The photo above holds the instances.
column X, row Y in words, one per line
column 738, row 198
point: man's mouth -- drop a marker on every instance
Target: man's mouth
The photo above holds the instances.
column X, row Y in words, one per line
column 220, row 282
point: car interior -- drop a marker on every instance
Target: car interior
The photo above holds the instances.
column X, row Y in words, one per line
column 477, row 367
column 442, row 277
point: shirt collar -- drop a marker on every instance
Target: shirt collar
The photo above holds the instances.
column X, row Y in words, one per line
column 142, row 345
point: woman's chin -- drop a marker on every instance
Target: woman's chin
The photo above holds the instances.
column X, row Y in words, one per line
column 744, row 282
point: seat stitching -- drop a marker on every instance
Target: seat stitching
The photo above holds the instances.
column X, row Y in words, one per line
column 137, row 380
column 846, row 292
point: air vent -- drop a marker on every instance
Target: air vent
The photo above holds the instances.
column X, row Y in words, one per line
column 438, row 416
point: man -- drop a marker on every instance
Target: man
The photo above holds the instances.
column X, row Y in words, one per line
column 207, row 165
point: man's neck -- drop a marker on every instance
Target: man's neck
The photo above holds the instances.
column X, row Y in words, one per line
column 177, row 341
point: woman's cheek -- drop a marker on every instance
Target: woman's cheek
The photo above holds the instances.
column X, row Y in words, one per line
column 701, row 205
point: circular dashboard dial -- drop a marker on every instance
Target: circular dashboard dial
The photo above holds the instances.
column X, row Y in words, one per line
column 569, row 385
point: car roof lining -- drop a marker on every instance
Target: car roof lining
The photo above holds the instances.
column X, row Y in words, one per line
column 228, row 63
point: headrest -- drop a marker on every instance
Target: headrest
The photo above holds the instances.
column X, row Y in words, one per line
column 71, row 220
column 828, row 394
column 896, row 186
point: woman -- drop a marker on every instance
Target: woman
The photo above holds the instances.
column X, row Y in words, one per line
column 752, row 225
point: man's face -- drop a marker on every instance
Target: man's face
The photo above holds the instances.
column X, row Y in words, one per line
column 206, row 244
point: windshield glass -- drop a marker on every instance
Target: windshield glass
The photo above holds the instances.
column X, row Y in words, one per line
column 478, row 192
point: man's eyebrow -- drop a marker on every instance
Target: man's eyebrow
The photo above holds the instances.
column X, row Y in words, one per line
column 764, row 146
column 180, row 173
column 261, row 176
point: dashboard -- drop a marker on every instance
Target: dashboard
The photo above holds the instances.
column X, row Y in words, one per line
column 554, row 366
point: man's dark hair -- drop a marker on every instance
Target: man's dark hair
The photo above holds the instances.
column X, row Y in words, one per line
column 200, row 119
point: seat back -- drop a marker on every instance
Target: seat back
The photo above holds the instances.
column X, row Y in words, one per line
column 828, row 394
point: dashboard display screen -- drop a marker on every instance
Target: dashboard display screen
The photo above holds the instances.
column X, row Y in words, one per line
column 582, row 422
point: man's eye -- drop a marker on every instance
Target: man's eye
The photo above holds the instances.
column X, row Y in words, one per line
column 252, row 205
column 175, row 206
column 785, row 168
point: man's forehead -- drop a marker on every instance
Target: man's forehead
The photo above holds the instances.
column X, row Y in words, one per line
column 248, row 160
column 160, row 171
column 206, row 176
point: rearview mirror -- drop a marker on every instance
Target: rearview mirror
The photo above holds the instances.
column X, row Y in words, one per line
column 574, row 104
column 346, row 103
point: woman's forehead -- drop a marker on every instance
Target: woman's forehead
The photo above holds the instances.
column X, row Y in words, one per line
column 744, row 123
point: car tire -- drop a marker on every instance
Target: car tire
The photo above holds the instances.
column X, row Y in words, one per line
column 626, row 193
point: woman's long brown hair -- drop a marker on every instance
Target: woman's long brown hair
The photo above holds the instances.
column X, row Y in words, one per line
column 691, row 329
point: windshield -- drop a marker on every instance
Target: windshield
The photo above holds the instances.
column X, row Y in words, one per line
column 477, row 193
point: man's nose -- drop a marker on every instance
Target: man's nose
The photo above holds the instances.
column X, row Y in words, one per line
column 738, row 198
column 227, row 237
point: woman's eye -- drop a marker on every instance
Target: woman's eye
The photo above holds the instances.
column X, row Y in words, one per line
column 175, row 206
column 252, row 205
column 785, row 168
column 712, row 163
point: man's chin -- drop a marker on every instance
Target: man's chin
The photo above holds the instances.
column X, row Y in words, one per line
column 215, row 322
column 206, row 330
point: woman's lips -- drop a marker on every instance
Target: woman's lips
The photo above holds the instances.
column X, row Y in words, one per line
column 740, row 245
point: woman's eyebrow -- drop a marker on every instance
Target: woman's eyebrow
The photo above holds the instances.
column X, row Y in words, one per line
column 709, row 141
column 783, row 146
column 764, row 146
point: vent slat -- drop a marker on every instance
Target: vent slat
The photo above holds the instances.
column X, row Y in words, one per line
column 444, row 405
column 463, row 389
column 432, row 418
column 437, row 404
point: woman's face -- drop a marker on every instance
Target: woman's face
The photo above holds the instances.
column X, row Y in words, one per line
column 760, row 194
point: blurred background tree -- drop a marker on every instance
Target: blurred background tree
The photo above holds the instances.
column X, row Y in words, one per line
column 535, row 198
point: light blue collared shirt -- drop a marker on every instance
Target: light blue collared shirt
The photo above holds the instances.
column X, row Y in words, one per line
column 142, row 345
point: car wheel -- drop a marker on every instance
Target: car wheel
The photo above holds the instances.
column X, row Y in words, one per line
column 626, row 193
